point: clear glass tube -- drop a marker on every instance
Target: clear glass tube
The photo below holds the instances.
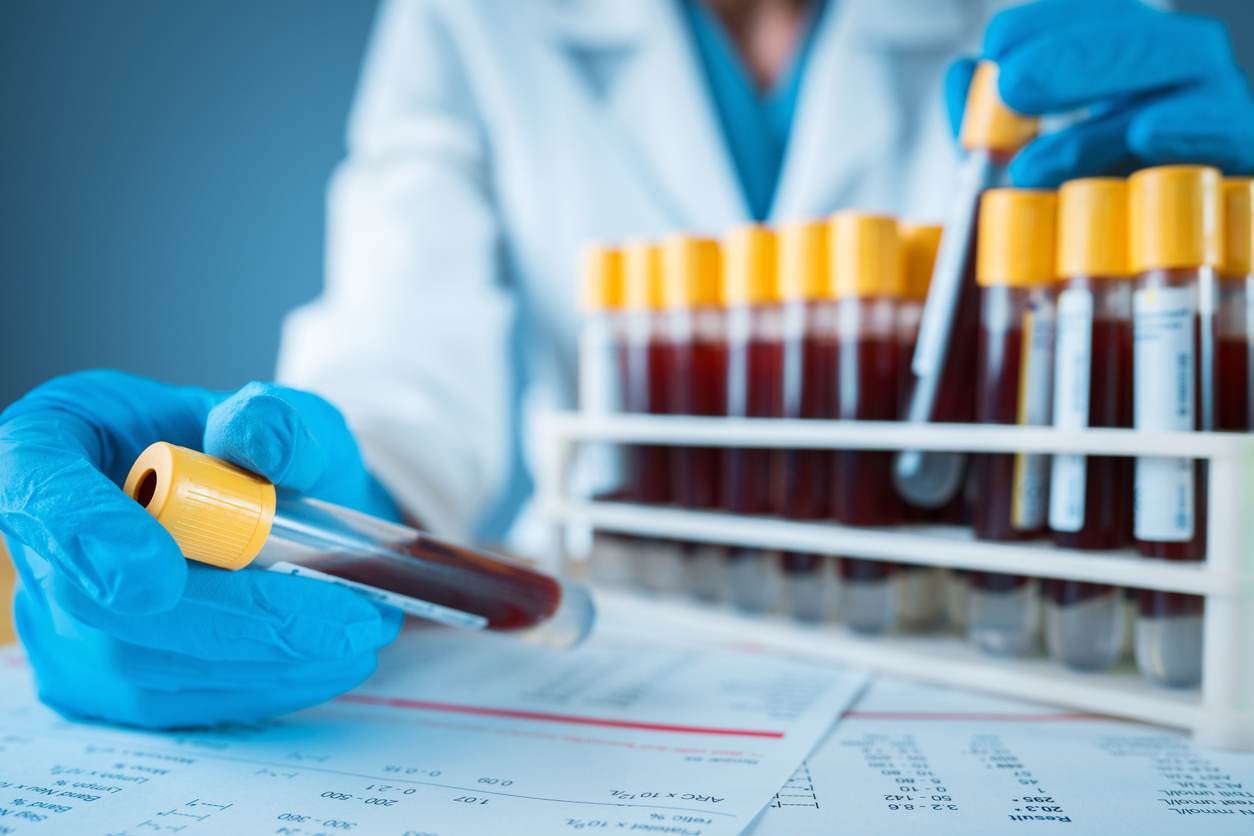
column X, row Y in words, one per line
column 1090, row 496
column 863, row 495
column 1232, row 355
column 804, row 479
column 423, row 575
column 1014, row 383
column 754, row 390
column 1171, row 323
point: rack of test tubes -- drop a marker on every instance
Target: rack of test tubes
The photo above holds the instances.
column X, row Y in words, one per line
column 1046, row 501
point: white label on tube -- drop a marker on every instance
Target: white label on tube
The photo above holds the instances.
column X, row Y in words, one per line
column 410, row 606
column 1073, row 363
column 1031, row 474
column 1163, row 400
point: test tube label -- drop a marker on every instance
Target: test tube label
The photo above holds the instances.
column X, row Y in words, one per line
column 1031, row 474
column 1073, row 361
column 1163, row 386
column 407, row 605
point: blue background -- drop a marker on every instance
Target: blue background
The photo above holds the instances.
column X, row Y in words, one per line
column 162, row 175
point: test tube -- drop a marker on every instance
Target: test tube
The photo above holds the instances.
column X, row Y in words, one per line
column 809, row 391
column 1232, row 316
column 945, row 358
column 755, row 349
column 1015, row 270
column 225, row 516
column 866, row 275
column 696, row 361
column 1090, row 496
column 598, row 471
column 1176, row 225
column 921, row 590
column 656, row 563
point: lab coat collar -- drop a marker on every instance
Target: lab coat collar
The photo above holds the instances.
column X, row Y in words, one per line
column 657, row 105
column 848, row 113
column 636, row 59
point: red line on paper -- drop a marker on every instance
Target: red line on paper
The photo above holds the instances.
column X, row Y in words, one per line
column 1011, row 718
column 421, row 705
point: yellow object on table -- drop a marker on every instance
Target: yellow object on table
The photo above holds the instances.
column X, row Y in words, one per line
column 8, row 576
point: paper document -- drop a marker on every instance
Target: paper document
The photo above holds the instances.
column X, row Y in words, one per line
column 922, row 759
column 456, row 735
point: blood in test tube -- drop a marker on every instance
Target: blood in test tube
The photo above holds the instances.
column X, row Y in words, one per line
column 598, row 470
column 222, row 515
column 943, row 365
column 921, row 590
column 808, row 391
column 1175, row 231
column 866, row 276
column 1090, row 496
column 1232, row 320
column 654, row 563
column 1015, row 269
column 696, row 362
column 755, row 356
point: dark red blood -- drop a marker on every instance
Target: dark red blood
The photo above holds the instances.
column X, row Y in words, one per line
column 1108, row 479
column 1233, row 391
column 509, row 595
column 747, row 472
column 648, row 391
column 698, row 377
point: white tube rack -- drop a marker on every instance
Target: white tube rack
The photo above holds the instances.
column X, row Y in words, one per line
column 1220, row 713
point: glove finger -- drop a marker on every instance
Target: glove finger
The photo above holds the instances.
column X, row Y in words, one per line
column 957, row 82
column 1198, row 129
column 101, row 542
column 1077, row 64
column 253, row 616
column 298, row 441
column 1010, row 28
column 1081, row 150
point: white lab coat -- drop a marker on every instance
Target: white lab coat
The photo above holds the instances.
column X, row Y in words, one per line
column 491, row 138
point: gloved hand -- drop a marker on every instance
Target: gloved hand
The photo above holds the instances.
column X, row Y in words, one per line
column 117, row 624
column 1160, row 88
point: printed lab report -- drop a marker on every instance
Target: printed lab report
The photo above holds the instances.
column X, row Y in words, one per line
column 913, row 758
column 456, row 735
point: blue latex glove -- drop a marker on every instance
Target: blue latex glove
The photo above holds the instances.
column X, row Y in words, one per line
column 117, row 624
column 1160, row 87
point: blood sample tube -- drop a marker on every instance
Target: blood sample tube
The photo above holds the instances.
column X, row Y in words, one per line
column 809, row 391
column 944, row 360
column 225, row 516
column 866, row 274
column 1176, row 243
column 920, row 589
column 1015, row 269
column 647, row 386
column 696, row 366
column 1091, row 496
column 598, row 470
column 655, row 564
column 1232, row 317
column 755, row 326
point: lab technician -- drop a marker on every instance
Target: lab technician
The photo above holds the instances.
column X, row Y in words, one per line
column 489, row 140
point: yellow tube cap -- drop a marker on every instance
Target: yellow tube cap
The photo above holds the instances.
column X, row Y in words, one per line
column 866, row 255
column 218, row 513
column 1175, row 217
column 987, row 122
column 1017, row 238
column 1093, row 228
column 750, row 269
column 1238, row 227
column 642, row 276
column 919, row 243
column 602, row 273
column 803, row 264
column 689, row 272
